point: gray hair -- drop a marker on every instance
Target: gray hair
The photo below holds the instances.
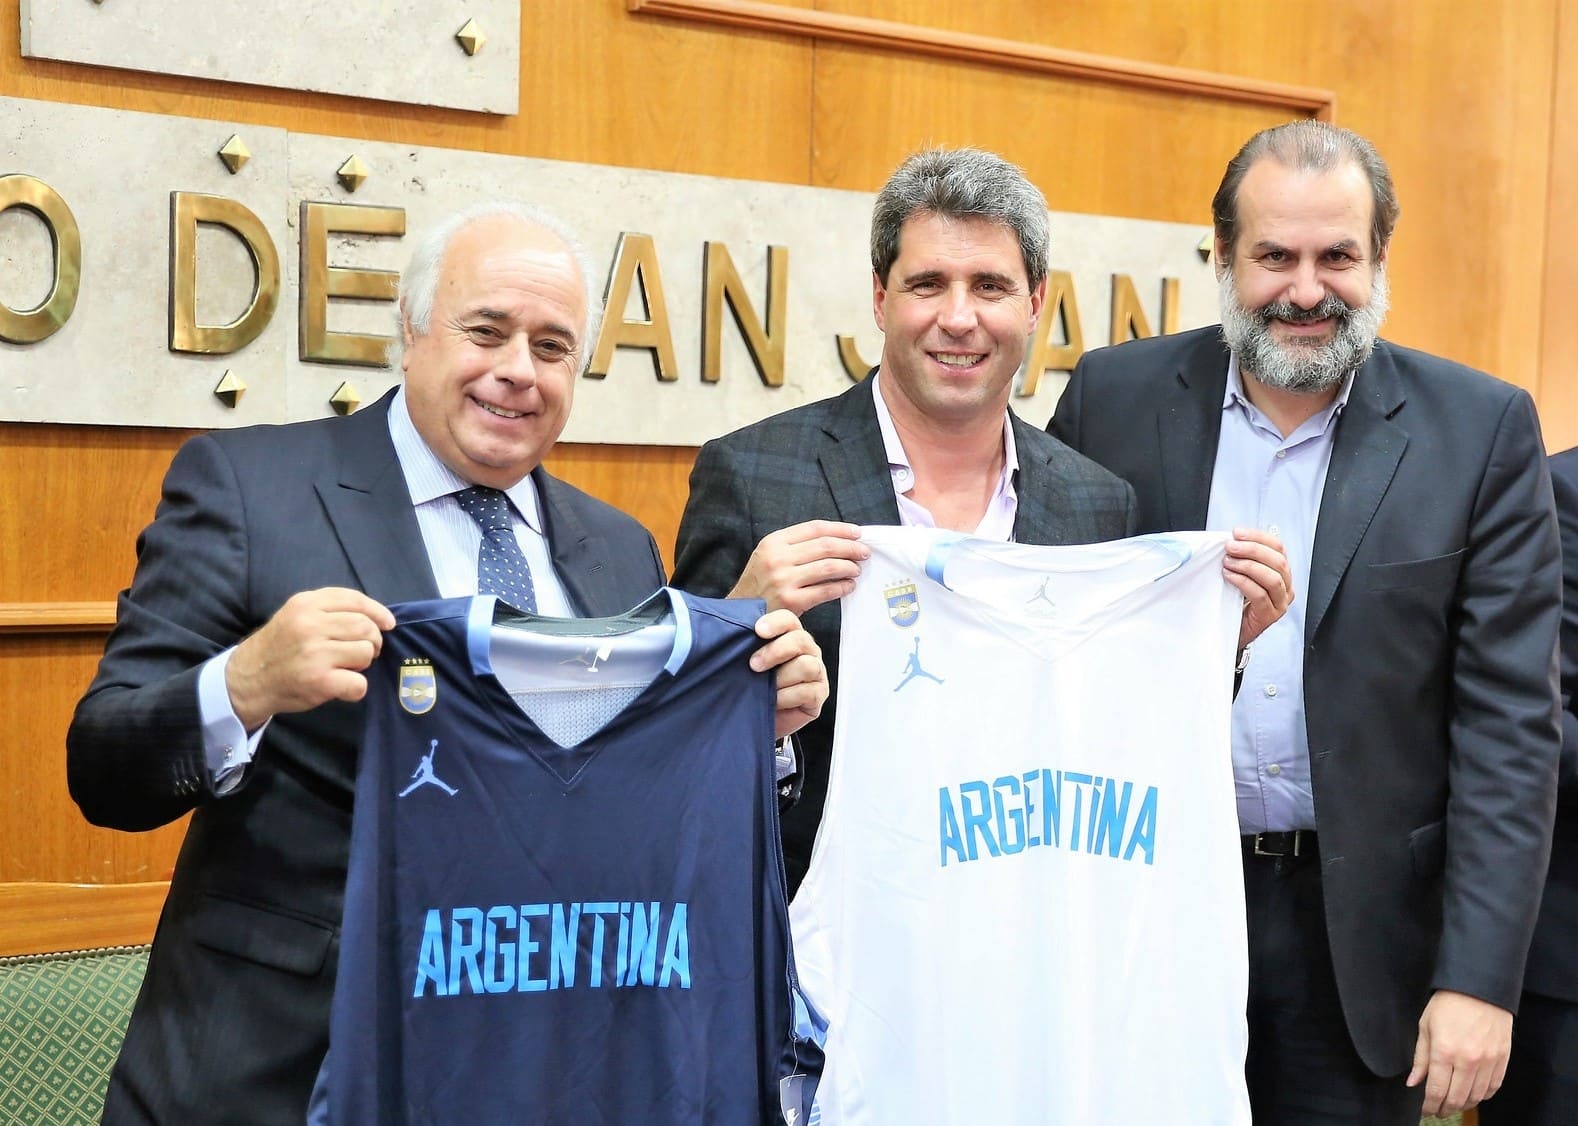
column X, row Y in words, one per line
column 419, row 282
column 961, row 184
column 1309, row 146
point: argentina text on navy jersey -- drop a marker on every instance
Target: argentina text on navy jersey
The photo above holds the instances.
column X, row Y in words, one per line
column 565, row 901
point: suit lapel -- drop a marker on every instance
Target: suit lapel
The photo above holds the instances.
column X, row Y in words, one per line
column 1364, row 458
column 853, row 461
column 370, row 509
column 1188, row 424
column 577, row 555
column 1042, row 514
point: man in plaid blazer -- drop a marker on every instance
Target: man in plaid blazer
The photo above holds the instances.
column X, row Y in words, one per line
column 959, row 259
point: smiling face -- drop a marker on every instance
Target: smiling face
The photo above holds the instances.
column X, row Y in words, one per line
column 1303, row 292
column 956, row 311
column 489, row 384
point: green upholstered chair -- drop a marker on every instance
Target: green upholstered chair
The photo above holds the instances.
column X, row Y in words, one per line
column 62, row 1017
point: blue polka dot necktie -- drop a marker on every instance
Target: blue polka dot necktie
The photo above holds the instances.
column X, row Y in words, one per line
column 501, row 565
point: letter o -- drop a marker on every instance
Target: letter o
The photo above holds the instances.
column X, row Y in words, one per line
column 32, row 325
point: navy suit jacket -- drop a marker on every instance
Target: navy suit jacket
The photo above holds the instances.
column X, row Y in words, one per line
column 825, row 461
column 1553, row 959
column 232, row 1020
column 1429, row 654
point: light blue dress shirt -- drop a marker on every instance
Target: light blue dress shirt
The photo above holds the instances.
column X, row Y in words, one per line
column 1263, row 480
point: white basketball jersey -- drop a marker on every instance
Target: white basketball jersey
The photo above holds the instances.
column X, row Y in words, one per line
column 1025, row 904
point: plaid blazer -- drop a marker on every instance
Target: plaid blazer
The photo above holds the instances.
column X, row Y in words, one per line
column 825, row 461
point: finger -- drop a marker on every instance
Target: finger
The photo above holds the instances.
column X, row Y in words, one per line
column 1438, row 1084
column 356, row 654
column 1421, row 1068
column 804, row 697
column 819, row 529
column 1246, row 535
column 1458, row 1091
column 342, row 684
column 801, row 599
column 1479, row 1088
column 782, row 651
column 776, row 623
column 345, row 625
column 1498, row 1076
column 804, row 669
column 1259, row 582
column 1257, row 599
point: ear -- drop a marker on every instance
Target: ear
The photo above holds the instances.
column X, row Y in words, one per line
column 879, row 293
column 1219, row 257
column 407, row 339
column 1038, row 298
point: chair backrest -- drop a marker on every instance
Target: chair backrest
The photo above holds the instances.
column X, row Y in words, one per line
column 62, row 1018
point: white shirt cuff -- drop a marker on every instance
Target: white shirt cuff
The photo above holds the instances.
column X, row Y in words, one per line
column 226, row 745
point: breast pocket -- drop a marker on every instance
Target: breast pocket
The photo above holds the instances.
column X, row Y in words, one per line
column 1439, row 572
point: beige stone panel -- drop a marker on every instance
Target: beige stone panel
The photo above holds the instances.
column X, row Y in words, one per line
column 110, row 363
column 393, row 50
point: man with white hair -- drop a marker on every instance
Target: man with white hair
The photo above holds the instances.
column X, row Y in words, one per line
column 231, row 684
column 1395, row 738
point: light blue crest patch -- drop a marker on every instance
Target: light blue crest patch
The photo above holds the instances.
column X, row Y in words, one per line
column 903, row 604
column 418, row 686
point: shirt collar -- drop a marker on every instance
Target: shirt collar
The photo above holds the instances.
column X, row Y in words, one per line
column 428, row 479
column 1234, row 394
column 897, row 459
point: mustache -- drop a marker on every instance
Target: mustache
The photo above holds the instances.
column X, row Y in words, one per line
column 1330, row 306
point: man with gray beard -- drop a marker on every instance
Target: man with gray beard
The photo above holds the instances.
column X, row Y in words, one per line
column 1396, row 736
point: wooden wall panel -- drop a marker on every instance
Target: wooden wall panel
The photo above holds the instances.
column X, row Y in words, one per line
column 1558, row 388
column 1458, row 103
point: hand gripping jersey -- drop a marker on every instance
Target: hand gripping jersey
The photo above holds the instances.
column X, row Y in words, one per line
column 1025, row 903
column 565, row 901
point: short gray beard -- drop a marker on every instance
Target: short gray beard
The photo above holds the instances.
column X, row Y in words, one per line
column 1303, row 368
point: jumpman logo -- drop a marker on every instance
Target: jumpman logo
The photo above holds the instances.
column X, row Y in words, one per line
column 912, row 668
column 423, row 774
column 1042, row 596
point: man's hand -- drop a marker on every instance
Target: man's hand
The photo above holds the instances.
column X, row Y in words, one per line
column 803, row 565
column 1258, row 567
column 1461, row 1054
column 802, row 678
column 311, row 651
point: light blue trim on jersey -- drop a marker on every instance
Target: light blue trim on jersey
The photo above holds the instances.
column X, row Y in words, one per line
column 479, row 627
column 937, row 558
column 683, row 636
column 1182, row 553
column 943, row 549
column 810, row 1026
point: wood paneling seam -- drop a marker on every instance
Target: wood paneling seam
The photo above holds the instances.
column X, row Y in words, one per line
column 755, row 15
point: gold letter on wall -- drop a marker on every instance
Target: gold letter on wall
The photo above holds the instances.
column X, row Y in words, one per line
column 1128, row 318
column 1061, row 307
column 321, row 281
column 38, row 323
column 187, row 209
column 720, row 280
column 855, row 365
column 636, row 255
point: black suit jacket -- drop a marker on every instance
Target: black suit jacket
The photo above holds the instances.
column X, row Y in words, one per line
column 232, row 1020
column 1553, row 958
column 826, row 461
column 1429, row 657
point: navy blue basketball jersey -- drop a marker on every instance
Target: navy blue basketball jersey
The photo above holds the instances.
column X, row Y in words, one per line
column 565, row 901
